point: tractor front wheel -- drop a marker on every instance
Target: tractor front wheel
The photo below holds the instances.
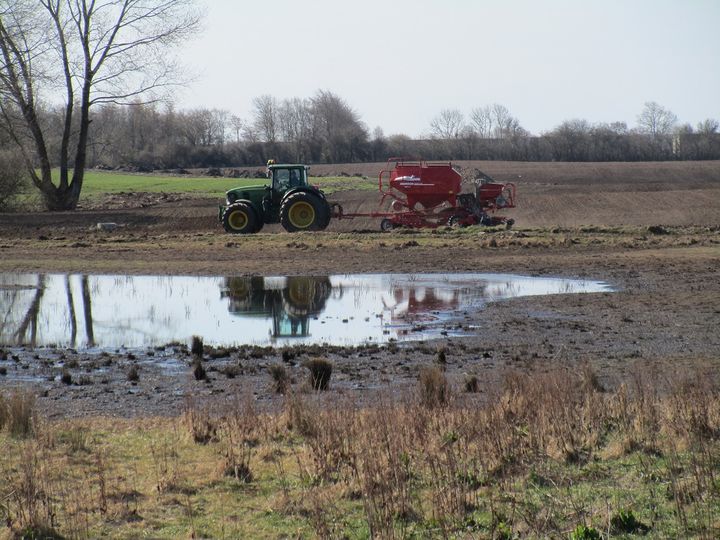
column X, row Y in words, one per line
column 302, row 211
column 240, row 218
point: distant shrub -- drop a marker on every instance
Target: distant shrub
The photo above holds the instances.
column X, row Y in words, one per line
column 66, row 377
column 583, row 532
column 199, row 371
column 434, row 387
column 132, row 374
column 197, row 347
column 16, row 413
column 320, row 373
column 13, row 179
column 281, row 379
column 625, row 522
column 472, row 384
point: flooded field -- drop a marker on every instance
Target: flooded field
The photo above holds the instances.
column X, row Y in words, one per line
column 111, row 311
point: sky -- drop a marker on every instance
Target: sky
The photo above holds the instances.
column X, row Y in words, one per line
column 398, row 63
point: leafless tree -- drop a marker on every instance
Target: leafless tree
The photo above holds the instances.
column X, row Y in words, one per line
column 708, row 126
column 93, row 52
column 656, row 120
column 295, row 125
column 204, row 127
column 336, row 127
column 447, row 125
column 504, row 124
column 482, row 121
column 265, row 117
column 237, row 124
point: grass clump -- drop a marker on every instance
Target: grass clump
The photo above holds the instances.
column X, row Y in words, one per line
column 66, row 377
column 583, row 532
column 17, row 412
column 625, row 522
column 197, row 347
column 320, row 373
column 433, row 386
column 281, row 379
column 472, row 384
column 199, row 370
column 133, row 375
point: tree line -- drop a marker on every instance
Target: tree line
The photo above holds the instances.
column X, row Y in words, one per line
column 325, row 129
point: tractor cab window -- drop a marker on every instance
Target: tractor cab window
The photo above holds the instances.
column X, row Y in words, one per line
column 281, row 179
column 295, row 178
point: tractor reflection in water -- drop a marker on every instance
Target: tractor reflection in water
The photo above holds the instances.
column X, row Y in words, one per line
column 289, row 301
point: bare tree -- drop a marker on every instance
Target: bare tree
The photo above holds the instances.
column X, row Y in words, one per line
column 505, row 125
column 237, row 124
column 656, row 120
column 110, row 51
column 336, row 127
column 708, row 126
column 265, row 117
column 447, row 125
column 482, row 121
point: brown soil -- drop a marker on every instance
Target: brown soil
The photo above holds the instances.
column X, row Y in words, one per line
column 590, row 220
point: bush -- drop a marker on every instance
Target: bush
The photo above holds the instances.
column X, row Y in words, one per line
column 434, row 387
column 280, row 377
column 197, row 347
column 626, row 522
column 320, row 373
column 472, row 384
column 132, row 374
column 583, row 532
column 16, row 413
column 13, row 179
column 66, row 377
column 199, row 370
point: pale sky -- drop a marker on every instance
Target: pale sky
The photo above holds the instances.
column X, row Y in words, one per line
column 399, row 62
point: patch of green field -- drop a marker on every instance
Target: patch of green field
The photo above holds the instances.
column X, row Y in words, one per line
column 97, row 183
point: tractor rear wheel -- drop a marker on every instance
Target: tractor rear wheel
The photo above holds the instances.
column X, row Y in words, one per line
column 303, row 211
column 240, row 218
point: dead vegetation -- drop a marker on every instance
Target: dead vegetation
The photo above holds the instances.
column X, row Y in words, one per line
column 553, row 454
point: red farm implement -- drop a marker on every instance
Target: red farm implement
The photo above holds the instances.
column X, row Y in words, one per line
column 428, row 194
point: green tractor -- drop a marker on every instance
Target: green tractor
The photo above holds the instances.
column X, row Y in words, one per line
column 288, row 200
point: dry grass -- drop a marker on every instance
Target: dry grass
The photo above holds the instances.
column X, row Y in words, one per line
column 552, row 454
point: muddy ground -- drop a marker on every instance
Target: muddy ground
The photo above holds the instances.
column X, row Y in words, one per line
column 661, row 251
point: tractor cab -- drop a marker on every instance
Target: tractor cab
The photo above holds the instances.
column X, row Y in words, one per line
column 286, row 177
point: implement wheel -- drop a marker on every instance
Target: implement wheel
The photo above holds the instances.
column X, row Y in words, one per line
column 386, row 225
column 302, row 211
column 240, row 218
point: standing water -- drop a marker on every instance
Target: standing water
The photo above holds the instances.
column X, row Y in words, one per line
column 137, row 311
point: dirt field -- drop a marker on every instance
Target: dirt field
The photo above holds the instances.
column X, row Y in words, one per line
column 651, row 229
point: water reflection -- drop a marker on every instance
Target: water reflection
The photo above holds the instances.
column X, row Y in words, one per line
column 290, row 303
column 137, row 311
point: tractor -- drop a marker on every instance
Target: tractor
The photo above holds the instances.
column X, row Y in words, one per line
column 288, row 200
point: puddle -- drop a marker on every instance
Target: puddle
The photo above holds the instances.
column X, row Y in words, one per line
column 89, row 312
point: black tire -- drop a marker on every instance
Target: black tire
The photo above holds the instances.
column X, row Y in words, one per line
column 327, row 214
column 386, row 225
column 303, row 211
column 240, row 218
column 454, row 221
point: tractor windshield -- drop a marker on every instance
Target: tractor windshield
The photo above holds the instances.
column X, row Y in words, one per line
column 284, row 179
